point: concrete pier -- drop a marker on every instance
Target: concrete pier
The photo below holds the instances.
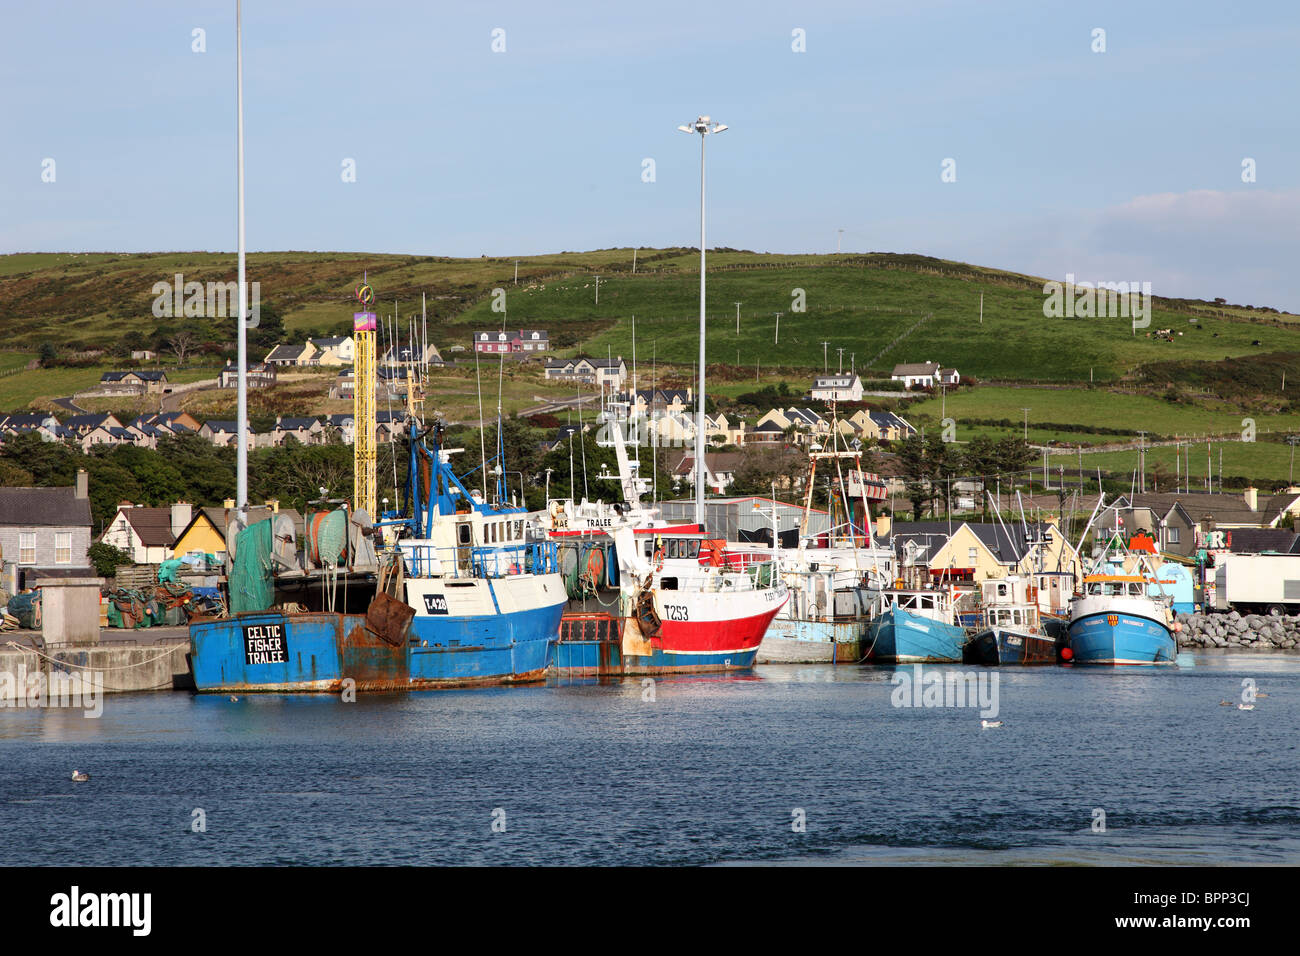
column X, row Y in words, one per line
column 124, row 667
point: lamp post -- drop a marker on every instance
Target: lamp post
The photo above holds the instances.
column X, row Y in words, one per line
column 705, row 127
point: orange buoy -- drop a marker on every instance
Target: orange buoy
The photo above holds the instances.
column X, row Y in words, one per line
column 1066, row 654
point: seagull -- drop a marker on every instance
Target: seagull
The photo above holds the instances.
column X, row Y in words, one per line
column 80, row 777
column 990, row 723
column 1245, row 706
column 233, row 697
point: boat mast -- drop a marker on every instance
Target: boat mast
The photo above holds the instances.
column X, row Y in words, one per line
column 241, row 415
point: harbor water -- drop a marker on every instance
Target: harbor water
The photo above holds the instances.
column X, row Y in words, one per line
column 789, row 764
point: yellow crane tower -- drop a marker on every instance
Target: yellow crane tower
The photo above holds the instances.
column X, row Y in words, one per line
column 364, row 457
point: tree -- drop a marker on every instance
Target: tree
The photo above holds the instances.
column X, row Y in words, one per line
column 182, row 343
column 981, row 460
column 47, row 354
column 106, row 558
column 917, row 485
column 269, row 331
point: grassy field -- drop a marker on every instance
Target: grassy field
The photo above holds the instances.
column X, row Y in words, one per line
column 1098, row 407
column 1268, row 463
column 860, row 303
column 861, row 308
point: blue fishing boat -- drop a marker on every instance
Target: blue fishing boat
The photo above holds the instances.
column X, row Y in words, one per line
column 1011, row 629
column 909, row 627
column 1116, row 620
column 465, row 594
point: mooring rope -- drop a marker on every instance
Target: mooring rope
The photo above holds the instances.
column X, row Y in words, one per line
column 87, row 667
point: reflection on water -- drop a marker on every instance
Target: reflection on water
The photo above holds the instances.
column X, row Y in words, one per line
column 704, row 770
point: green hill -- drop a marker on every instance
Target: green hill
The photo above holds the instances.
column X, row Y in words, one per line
column 881, row 308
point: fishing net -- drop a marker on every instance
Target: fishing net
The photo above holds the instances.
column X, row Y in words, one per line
column 252, row 583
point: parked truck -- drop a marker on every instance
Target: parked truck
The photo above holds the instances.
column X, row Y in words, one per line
column 1257, row 583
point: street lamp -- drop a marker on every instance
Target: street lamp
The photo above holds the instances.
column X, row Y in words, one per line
column 705, row 127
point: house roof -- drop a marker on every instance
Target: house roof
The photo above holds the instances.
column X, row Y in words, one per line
column 295, row 424
column 28, row 421
column 1227, row 508
column 152, row 525
column 834, row 381
column 889, row 420
column 917, row 368
column 148, row 375
column 87, row 421
column 285, row 352
column 332, row 342
column 1256, row 540
column 60, row 507
column 716, row 462
column 216, row 517
column 216, row 425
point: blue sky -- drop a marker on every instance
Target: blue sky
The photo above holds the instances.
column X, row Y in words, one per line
column 1122, row 165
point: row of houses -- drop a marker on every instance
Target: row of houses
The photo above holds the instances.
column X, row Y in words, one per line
column 847, row 387
column 304, row 430
column 804, row 426
column 87, row 431
column 342, row 350
column 514, row 342
column 605, row 373
column 151, row 535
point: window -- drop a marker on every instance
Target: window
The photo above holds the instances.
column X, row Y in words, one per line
column 27, row 547
column 1172, row 535
column 63, row 547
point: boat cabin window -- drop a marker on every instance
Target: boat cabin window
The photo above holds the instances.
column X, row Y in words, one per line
column 1002, row 590
column 1135, row 589
column 463, row 532
column 668, row 584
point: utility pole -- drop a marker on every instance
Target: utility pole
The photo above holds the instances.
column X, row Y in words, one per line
column 840, row 349
column 981, row 308
column 825, row 366
column 1026, row 411
column 776, row 337
column 838, row 239
column 737, row 321
column 598, row 290
column 633, row 262
column 516, row 272
column 1142, row 462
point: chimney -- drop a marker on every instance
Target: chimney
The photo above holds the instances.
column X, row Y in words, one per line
column 83, row 484
column 883, row 524
column 1252, row 498
column 228, row 503
column 181, row 515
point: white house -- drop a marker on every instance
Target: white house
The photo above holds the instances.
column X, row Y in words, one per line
column 924, row 375
column 837, row 388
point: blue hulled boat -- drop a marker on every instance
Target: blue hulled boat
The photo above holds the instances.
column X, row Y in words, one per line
column 910, row 627
column 1115, row 620
column 465, row 595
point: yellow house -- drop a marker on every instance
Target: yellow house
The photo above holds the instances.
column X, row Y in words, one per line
column 976, row 552
column 1058, row 554
column 206, row 531
column 967, row 556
